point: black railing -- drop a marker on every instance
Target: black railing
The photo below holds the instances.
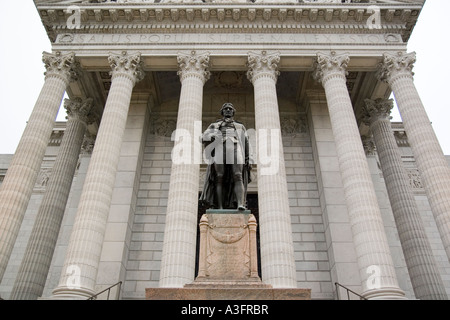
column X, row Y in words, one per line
column 118, row 285
column 348, row 292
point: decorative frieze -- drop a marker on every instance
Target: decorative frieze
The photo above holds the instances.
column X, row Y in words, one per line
column 163, row 127
column 242, row 13
column 290, row 127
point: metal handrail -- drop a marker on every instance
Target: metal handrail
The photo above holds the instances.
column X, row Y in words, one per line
column 119, row 284
column 348, row 292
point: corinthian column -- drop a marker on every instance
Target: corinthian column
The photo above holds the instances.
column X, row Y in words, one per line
column 277, row 252
column 425, row 277
column 178, row 256
column 396, row 70
column 83, row 253
column 19, row 181
column 375, row 263
column 33, row 270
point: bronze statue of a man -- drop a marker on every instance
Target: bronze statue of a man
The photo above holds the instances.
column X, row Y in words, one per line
column 227, row 154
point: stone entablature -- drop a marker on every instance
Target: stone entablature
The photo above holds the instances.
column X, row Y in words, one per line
column 116, row 12
column 228, row 30
column 288, row 17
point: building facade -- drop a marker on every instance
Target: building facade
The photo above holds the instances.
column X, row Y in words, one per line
column 343, row 197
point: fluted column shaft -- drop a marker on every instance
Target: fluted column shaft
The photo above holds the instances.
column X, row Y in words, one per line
column 396, row 70
column 79, row 272
column 20, row 179
column 425, row 277
column 277, row 253
column 35, row 265
column 375, row 263
column 179, row 249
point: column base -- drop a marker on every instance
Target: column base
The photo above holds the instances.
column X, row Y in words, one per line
column 64, row 293
column 385, row 294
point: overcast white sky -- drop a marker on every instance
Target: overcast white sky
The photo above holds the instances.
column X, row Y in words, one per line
column 23, row 39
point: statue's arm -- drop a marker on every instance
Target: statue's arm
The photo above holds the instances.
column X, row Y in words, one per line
column 210, row 134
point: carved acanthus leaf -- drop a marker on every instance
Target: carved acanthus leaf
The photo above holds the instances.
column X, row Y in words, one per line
column 194, row 64
column 374, row 110
column 263, row 64
column 329, row 64
column 62, row 65
column 393, row 66
column 79, row 109
column 127, row 64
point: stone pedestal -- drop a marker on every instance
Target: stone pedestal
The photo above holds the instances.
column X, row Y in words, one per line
column 228, row 264
column 228, row 248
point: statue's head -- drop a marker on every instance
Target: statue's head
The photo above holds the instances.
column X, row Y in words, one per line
column 229, row 108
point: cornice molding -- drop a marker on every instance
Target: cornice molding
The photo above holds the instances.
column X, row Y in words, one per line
column 258, row 17
column 234, row 12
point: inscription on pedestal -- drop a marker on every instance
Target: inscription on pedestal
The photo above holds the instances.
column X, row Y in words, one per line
column 228, row 247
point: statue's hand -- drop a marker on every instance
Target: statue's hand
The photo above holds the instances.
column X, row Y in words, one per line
column 210, row 136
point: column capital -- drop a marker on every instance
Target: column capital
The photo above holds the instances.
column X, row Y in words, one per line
column 60, row 65
column 79, row 109
column 193, row 65
column 374, row 110
column 329, row 65
column 395, row 65
column 129, row 65
column 263, row 64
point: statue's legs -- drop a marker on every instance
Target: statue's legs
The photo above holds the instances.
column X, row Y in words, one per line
column 239, row 185
column 220, row 171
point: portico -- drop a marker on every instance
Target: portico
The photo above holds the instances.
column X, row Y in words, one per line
column 300, row 71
